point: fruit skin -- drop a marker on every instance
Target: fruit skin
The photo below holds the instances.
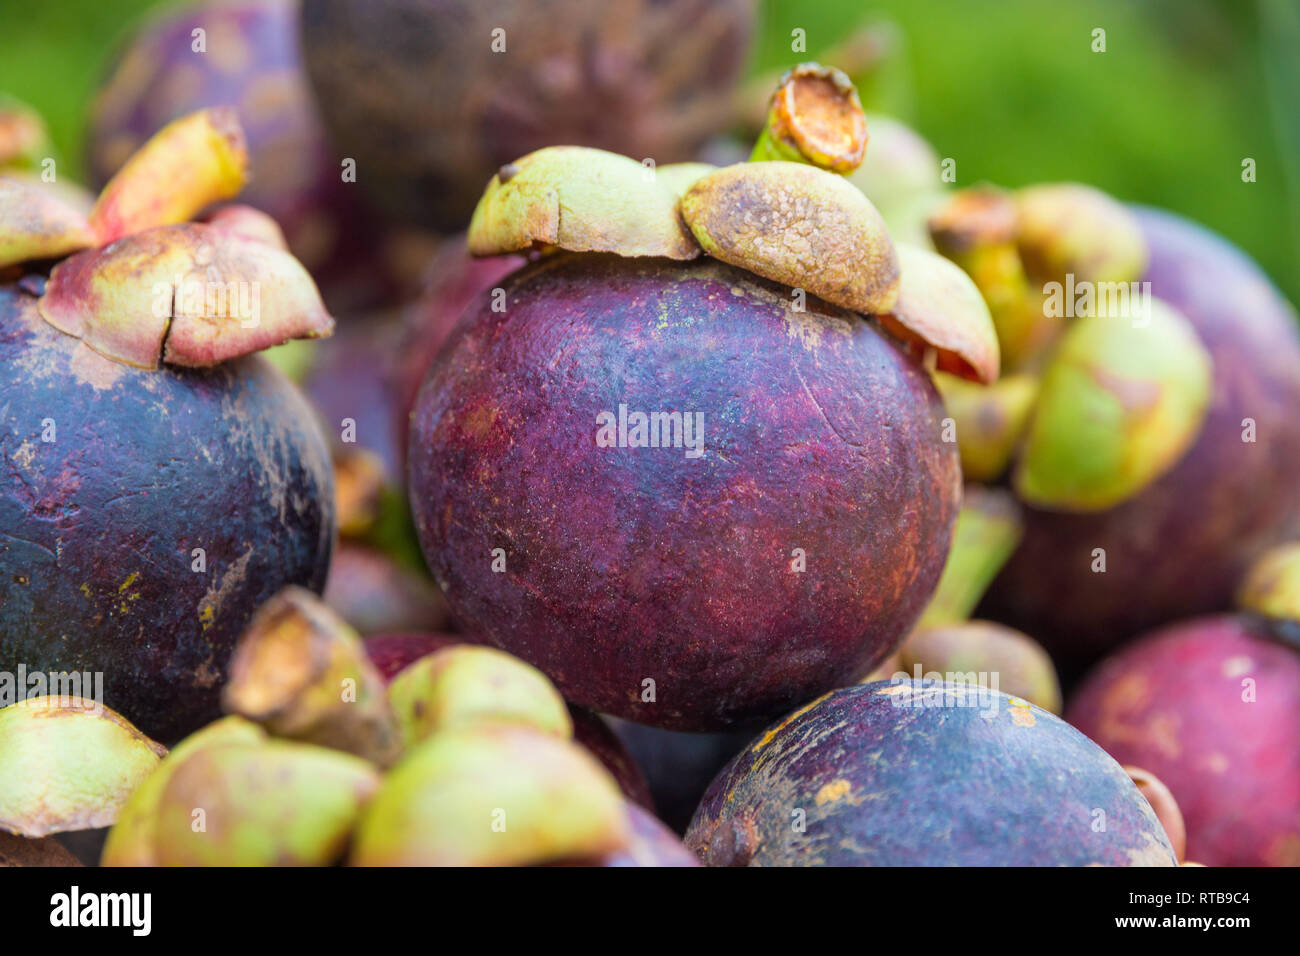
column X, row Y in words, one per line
column 628, row 564
column 430, row 115
column 1181, row 546
column 97, row 527
column 21, row 851
column 252, row 63
column 887, row 777
column 1172, row 703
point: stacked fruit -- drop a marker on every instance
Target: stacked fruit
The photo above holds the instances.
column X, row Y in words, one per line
column 700, row 447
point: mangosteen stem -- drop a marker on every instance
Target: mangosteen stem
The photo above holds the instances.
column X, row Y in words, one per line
column 814, row 117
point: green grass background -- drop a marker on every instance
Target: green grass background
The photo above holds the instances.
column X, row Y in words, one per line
column 1010, row 89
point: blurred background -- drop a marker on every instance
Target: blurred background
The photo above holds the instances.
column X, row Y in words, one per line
column 1009, row 89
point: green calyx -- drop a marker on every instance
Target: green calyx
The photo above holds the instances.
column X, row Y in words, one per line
column 132, row 840
column 467, row 685
column 988, row 531
column 800, row 226
column 302, row 673
column 68, row 764
column 492, row 796
column 580, row 199
column 1071, row 229
column 1121, row 401
column 990, row 420
column 679, row 177
column 274, row 803
column 940, row 308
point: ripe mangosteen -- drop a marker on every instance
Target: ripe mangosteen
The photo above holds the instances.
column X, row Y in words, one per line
column 1211, row 706
column 696, row 491
column 247, row 56
column 1178, row 546
column 161, row 481
column 431, row 96
column 912, row 773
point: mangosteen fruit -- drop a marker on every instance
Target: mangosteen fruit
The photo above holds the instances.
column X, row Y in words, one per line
column 695, row 491
column 920, row 773
column 1211, row 706
column 648, row 79
column 245, row 54
column 162, row 480
column 1084, row 580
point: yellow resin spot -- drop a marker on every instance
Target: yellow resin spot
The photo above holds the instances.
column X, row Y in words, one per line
column 833, row 792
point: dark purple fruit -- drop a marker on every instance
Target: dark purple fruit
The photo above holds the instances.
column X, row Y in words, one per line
column 145, row 514
column 780, row 551
column 925, row 774
column 431, row 96
column 1180, row 546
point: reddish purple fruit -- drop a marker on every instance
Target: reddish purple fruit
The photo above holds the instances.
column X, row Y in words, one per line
column 146, row 514
column 925, row 774
column 1180, row 546
column 781, row 539
column 1211, row 706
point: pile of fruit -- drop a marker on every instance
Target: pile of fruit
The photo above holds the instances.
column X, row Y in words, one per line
column 770, row 506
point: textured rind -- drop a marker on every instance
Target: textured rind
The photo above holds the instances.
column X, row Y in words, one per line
column 1173, row 703
column 1182, row 545
column 882, row 783
column 97, row 527
column 627, row 564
